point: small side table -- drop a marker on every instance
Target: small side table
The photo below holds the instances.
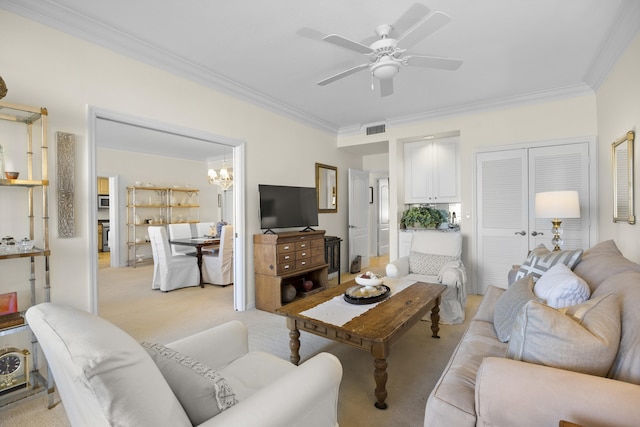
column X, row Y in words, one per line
column 332, row 254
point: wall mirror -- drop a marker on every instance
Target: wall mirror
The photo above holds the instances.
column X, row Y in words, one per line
column 327, row 188
column 622, row 165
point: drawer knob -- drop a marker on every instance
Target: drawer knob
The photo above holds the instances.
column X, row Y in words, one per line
column 287, row 257
column 304, row 254
column 347, row 336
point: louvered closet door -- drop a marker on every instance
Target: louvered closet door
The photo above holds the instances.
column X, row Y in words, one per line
column 560, row 168
column 503, row 214
column 506, row 185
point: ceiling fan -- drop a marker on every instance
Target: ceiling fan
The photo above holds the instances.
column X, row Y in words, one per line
column 385, row 56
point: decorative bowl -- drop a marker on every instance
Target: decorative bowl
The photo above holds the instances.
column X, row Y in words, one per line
column 12, row 175
column 368, row 279
column 25, row 245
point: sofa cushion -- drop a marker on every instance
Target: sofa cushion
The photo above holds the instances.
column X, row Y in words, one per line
column 487, row 307
column 254, row 371
column 601, row 261
column 542, row 259
column 584, row 338
column 510, row 304
column 452, row 400
column 428, row 264
column 560, row 287
column 626, row 286
column 202, row 391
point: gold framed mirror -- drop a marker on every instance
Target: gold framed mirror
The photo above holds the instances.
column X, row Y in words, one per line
column 622, row 166
column 327, row 188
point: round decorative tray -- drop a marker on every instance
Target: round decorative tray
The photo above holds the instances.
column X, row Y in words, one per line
column 366, row 294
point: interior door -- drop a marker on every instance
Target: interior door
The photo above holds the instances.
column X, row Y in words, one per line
column 359, row 216
column 502, row 215
column 506, row 185
column 561, row 167
column 383, row 216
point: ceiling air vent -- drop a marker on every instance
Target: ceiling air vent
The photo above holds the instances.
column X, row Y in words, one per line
column 372, row 130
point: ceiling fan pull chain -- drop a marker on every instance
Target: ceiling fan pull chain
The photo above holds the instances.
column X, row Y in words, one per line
column 372, row 87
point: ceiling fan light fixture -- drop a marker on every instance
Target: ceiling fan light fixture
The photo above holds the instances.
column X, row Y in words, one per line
column 385, row 69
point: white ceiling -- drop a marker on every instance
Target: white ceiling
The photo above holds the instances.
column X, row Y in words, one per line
column 271, row 52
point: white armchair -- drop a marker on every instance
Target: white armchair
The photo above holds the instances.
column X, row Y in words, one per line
column 106, row 378
column 435, row 257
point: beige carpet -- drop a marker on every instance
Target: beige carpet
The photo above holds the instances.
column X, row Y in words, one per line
column 415, row 363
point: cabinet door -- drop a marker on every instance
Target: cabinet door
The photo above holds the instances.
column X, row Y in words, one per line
column 417, row 165
column 432, row 171
column 446, row 174
column 103, row 186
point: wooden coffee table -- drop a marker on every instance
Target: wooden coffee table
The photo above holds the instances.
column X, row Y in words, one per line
column 373, row 331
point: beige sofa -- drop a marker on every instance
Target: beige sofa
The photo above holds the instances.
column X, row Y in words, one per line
column 482, row 387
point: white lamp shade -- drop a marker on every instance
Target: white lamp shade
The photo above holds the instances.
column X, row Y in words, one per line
column 558, row 204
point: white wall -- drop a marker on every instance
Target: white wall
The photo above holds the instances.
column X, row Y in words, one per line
column 618, row 112
column 556, row 119
column 44, row 67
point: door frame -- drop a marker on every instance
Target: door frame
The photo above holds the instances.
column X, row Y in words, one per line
column 239, row 250
column 593, row 189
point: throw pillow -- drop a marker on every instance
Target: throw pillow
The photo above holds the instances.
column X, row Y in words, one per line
column 202, row 391
column 428, row 264
column 584, row 338
column 509, row 305
column 560, row 287
column 542, row 259
column 602, row 261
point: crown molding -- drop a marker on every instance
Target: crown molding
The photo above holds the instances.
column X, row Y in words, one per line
column 614, row 45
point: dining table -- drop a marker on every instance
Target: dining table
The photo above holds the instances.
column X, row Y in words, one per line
column 198, row 243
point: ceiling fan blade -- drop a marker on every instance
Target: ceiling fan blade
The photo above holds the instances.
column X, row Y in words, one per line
column 411, row 17
column 433, row 62
column 422, row 29
column 310, row 33
column 344, row 73
column 386, row 87
column 348, row 44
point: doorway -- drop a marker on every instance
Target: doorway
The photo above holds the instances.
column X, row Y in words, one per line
column 198, row 141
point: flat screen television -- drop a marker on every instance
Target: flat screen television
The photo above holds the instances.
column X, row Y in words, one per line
column 287, row 207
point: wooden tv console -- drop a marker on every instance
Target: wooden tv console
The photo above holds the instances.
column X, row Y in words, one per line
column 288, row 258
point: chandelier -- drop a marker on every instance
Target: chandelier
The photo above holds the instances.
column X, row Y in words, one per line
column 223, row 178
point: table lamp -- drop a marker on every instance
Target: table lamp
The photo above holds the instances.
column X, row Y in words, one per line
column 556, row 205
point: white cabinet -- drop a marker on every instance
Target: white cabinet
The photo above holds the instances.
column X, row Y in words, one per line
column 432, row 171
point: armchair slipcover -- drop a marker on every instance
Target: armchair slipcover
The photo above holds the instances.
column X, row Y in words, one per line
column 171, row 272
column 106, row 378
column 217, row 267
column 435, row 257
column 180, row 231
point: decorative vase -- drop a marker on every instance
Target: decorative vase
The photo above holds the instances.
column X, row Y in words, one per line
column 307, row 285
column 288, row 293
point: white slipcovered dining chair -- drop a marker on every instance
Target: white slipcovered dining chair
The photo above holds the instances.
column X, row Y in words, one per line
column 435, row 257
column 180, row 231
column 205, row 229
column 217, row 268
column 171, row 272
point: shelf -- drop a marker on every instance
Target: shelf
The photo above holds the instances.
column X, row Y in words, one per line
column 23, row 183
column 38, row 285
column 36, row 252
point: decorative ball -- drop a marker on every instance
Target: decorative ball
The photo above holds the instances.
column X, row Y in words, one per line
column 288, row 293
column 307, row 285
